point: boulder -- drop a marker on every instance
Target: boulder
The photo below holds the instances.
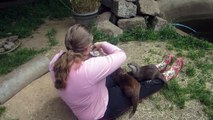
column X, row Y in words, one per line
column 149, row 7
column 108, row 28
column 124, row 9
column 12, row 38
column 127, row 24
column 2, row 42
column 104, row 16
column 159, row 23
column 2, row 50
column 9, row 45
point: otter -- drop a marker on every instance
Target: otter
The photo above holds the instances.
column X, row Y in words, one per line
column 145, row 73
column 129, row 86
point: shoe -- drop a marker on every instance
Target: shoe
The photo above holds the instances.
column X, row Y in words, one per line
column 166, row 61
column 174, row 70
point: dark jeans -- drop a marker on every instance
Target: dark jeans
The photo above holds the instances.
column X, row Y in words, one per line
column 119, row 103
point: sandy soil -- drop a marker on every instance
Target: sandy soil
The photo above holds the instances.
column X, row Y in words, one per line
column 39, row 100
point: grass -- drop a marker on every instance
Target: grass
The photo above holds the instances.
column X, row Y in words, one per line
column 23, row 20
column 12, row 60
column 166, row 34
column 203, row 66
column 175, row 93
column 196, row 54
column 51, row 35
column 155, row 102
column 2, row 110
column 199, row 92
column 199, row 53
column 190, row 71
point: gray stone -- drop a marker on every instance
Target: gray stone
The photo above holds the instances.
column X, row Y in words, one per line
column 159, row 23
column 12, row 38
column 2, row 50
column 127, row 24
column 2, row 42
column 108, row 28
column 9, row 45
column 104, row 16
column 124, row 9
column 149, row 7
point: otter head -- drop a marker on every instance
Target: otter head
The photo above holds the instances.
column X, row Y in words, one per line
column 134, row 67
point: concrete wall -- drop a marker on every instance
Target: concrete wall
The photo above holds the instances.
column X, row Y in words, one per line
column 185, row 10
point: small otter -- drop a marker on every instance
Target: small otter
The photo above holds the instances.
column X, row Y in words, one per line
column 145, row 73
column 129, row 85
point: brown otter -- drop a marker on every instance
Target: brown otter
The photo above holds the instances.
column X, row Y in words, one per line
column 145, row 73
column 129, row 85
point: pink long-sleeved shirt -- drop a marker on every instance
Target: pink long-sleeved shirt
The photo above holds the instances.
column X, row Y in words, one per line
column 86, row 93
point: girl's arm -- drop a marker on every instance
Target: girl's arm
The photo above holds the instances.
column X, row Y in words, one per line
column 98, row 68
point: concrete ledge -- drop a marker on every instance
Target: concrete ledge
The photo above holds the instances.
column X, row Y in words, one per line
column 185, row 10
column 16, row 80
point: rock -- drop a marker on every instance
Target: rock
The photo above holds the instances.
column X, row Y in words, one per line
column 127, row 24
column 124, row 9
column 2, row 50
column 149, row 7
column 12, row 38
column 108, row 28
column 2, row 42
column 104, row 16
column 9, row 45
column 159, row 23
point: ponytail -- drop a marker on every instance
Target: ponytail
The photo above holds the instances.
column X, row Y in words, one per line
column 62, row 67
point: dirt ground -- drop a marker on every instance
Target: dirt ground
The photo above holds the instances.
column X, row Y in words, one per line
column 39, row 100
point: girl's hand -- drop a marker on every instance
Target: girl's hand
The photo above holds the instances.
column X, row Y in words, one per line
column 97, row 45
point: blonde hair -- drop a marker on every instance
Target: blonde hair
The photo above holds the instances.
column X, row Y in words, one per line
column 76, row 40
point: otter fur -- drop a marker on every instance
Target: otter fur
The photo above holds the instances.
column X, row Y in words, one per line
column 129, row 86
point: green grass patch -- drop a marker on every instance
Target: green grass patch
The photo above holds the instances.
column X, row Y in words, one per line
column 196, row 54
column 209, row 112
column 190, row 71
column 100, row 36
column 139, row 34
column 51, row 35
column 167, row 34
column 2, row 110
column 205, row 67
column 12, row 60
column 155, row 101
column 22, row 20
column 147, row 60
column 175, row 93
column 198, row 91
column 189, row 42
